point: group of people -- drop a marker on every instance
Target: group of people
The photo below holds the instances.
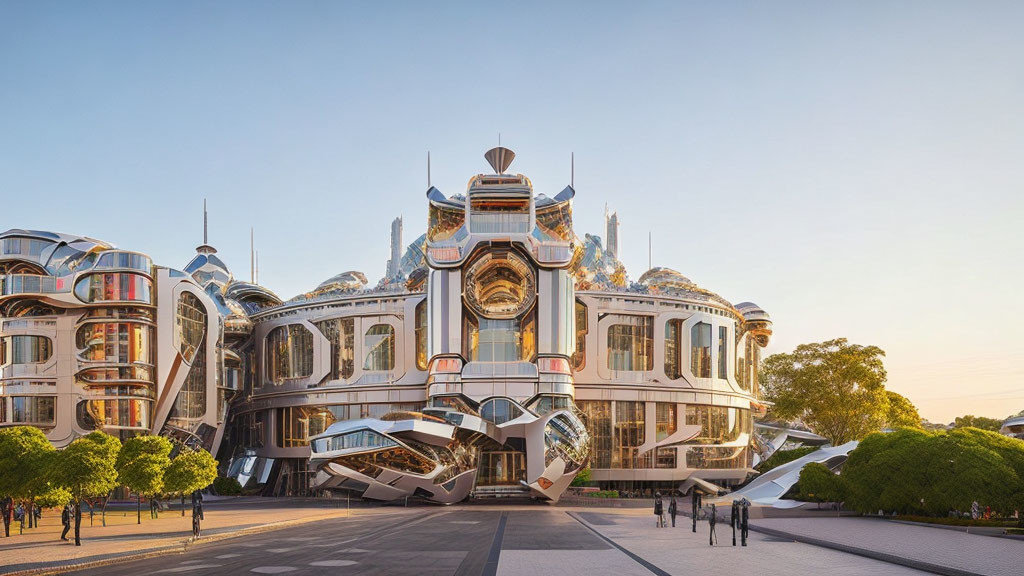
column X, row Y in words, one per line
column 659, row 510
column 738, row 517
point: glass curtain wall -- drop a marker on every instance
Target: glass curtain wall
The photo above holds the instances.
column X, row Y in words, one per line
column 289, row 353
column 718, row 424
column 629, row 434
column 379, row 344
column 673, row 346
column 597, row 415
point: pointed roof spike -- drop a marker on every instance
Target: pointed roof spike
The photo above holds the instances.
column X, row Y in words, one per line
column 500, row 159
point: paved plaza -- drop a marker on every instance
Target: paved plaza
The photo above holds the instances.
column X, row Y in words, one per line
column 507, row 541
column 248, row 537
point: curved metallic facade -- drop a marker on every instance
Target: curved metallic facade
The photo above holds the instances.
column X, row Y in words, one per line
column 500, row 355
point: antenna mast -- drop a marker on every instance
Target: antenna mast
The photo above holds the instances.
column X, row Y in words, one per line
column 428, row 171
column 572, row 171
column 205, row 224
column 252, row 255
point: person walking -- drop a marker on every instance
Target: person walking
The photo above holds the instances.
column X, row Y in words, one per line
column 197, row 513
column 672, row 510
column 65, row 519
column 659, row 511
column 7, row 508
column 712, row 520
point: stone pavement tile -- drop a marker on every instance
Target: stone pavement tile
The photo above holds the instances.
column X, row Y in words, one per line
column 547, row 530
column 680, row 551
column 41, row 547
column 610, row 562
column 973, row 553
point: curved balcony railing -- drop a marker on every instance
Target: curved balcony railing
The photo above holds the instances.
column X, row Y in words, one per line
column 24, row 284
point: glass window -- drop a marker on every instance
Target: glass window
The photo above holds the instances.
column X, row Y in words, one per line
column 719, row 424
column 114, row 287
column 420, row 332
column 723, row 352
column 341, row 333
column 289, row 353
column 25, row 349
column 38, row 410
column 190, row 325
column 114, row 413
column 190, row 403
column 379, row 346
column 718, row 458
column 629, row 434
column 500, row 340
column 547, row 403
column 753, row 362
column 665, row 424
column 499, row 410
column 666, row 457
column 673, row 345
column 597, row 415
column 631, row 345
column 296, row 424
column 700, row 350
column 579, row 357
column 741, row 367
column 120, row 342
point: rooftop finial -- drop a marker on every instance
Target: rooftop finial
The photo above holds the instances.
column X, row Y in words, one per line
column 499, row 158
column 205, row 224
column 572, row 170
column 428, row 170
column 252, row 254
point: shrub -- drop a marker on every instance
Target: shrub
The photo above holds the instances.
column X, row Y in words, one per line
column 226, row 486
column 819, row 484
column 780, row 457
column 932, row 473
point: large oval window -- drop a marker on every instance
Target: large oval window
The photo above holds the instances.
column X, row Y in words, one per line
column 500, row 285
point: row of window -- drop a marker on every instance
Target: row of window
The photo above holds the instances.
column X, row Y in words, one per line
column 34, row 410
column 615, row 440
column 120, row 342
column 295, row 425
column 114, row 287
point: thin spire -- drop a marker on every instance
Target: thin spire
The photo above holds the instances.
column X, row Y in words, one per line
column 650, row 250
column 257, row 267
column 205, row 225
column 252, row 254
column 428, row 170
column 572, row 171
column 499, row 139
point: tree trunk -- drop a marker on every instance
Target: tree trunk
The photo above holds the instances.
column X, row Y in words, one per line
column 31, row 513
column 138, row 507
column 104, row 514
column 182, row 504
column 78, row 522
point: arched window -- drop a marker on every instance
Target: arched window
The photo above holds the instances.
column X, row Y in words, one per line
column 190, row 325
column 631, row 345
column 341, row 333
column 289, row 353
column 499, row 410
column 379, row 347
column 114, row 287
column 115, row 342
column 420, row 331
column 700, row 350
column 723, row 352
column 673, row 347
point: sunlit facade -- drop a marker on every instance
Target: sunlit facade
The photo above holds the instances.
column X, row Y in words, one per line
column 500, row 355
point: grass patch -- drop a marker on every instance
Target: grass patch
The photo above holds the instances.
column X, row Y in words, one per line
column 994, row 523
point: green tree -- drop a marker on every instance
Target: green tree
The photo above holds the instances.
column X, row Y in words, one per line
column 970, row 421
column 86, row 469
column 25, row 458
column 111, row 447
column 919, row 472
column 819, row 484
column 582, row 477
column 836, row 388
column 141, row 464
column 189, row 471
column 901, row 413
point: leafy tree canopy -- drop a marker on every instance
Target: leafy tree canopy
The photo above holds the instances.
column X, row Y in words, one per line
column 25, row 459
column 836, row 388
column 141, row 464
column 86, row 468
column 977, row 422
column 901, row 412
column 190, row 470
column 916, row 471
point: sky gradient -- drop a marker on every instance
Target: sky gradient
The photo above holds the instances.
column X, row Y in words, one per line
column 855, row 169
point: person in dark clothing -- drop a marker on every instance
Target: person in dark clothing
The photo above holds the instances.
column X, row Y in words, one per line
column 197, row 513
column 65, row 519
column 712, row 520
column 7, row 508
column 659, row 511
column 672, row 509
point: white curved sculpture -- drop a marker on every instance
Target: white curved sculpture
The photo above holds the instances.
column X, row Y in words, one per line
column 768, row 488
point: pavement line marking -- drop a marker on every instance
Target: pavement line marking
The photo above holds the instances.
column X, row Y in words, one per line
column 384, row 532
column 491, row 567
column 187, row 568
column 654, row 569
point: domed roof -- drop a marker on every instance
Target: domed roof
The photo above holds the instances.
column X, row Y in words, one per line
column 668, row 281
column 348, row 281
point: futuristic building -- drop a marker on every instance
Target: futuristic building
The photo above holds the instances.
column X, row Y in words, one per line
column 500, row 354
column 1014, row 426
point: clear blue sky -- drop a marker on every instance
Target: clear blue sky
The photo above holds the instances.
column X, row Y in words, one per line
column 855, row 168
